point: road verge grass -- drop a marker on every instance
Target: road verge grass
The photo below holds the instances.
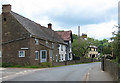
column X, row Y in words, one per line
column 42, row 65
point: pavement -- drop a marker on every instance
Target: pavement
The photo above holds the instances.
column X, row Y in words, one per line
column 79, row 72
column 96, row 74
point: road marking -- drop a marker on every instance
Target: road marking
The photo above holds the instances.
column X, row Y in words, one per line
column 2, row 69
column 21, row 73
column 5, row 77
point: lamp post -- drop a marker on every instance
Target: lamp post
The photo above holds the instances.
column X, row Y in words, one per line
column 101, row 48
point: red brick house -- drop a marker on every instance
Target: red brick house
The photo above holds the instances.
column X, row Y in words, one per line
column 67, row 37
column 25, row 42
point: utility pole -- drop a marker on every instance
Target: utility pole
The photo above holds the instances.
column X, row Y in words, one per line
column 79, row 39
column 119, row 30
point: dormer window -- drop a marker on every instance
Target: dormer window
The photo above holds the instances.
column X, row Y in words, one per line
column 46, row 43
column 52, row 45
column 36, row 41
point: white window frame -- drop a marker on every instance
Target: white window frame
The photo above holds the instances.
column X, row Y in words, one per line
column 56, row 58
column 41, row 59
column 36, row 41
column 23, row 53
column 35, row 55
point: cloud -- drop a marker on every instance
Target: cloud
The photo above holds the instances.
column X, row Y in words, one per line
column 92, row 15
column 100, row 31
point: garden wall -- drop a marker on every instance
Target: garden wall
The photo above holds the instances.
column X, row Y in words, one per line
column 112, row 68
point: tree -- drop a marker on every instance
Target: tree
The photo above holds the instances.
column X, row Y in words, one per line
column 116, row 46
column 80, row 49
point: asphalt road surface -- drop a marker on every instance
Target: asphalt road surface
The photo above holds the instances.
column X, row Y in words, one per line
column 79, row 72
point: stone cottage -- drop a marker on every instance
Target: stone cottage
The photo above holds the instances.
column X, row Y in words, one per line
column 25, row 42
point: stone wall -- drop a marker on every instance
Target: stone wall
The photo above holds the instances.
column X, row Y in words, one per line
column 112, row 68
column 82, row 60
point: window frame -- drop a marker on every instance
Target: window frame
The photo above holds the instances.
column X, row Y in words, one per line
column 36, row 41
column 23, row 53
column 43, row 59
column 35, row 55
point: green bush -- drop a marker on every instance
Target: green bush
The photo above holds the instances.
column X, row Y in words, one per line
column 7, row 65
column 45, row 64
column 109, row 57
column 35, row 67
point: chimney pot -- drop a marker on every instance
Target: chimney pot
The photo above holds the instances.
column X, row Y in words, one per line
column 50, row 26
column 6, row 8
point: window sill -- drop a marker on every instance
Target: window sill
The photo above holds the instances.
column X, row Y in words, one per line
column 21, row 56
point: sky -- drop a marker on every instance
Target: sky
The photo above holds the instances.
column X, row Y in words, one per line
column 96, row 18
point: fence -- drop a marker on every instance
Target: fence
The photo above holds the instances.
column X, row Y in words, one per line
column 82, row 60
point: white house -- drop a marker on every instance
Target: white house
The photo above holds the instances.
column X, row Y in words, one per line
column 62, row 52
column 67, row 37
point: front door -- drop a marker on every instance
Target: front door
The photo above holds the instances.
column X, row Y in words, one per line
column 43, row 56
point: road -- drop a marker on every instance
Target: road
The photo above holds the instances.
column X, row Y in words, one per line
column 79, row 72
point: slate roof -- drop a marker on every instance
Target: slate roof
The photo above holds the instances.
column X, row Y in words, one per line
column 65, row 35
column 38, row 30
column 92, row 46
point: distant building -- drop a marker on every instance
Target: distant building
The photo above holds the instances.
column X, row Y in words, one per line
column 66, row 51
column 93, row 53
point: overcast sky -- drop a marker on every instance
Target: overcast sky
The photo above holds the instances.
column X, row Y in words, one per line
column 95, row 17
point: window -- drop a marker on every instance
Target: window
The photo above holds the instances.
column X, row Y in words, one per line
column 43, row 56
column 66, row 48
column 22, row 53
column 50, row 53
column 52, row 45
column 46, row 43
column 36, row 55
column 56, row 58
column 96, row 49
column 58, row 46
column 36, row 41
column 62, row 56
column 69, row 55
column 90, row 49
column 61, row 47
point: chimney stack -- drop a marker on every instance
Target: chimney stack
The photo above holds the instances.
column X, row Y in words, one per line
column 50, row 26
column 6, row 8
